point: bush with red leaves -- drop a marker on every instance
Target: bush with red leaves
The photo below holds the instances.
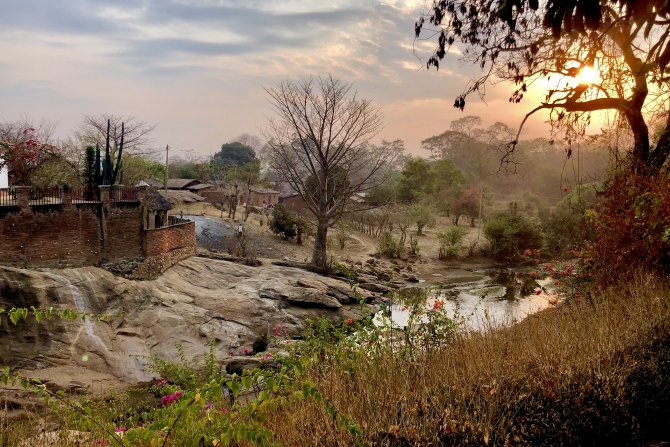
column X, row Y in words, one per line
column 632, row 227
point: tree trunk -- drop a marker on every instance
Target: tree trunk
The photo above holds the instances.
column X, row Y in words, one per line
column 319, row 258
column 419, row 229
column 640, row 140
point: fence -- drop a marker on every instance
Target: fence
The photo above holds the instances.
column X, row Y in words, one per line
column 46, row 196
column 123, row 195
column 8, row 197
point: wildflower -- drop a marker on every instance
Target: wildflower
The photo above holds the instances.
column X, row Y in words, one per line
column 565, row 189
column 119, row 431
column 246, row 351
column 533, row 275
column 528, row 252
column 549, row 267
column 162, row 382
column 168, row 399
column 438, row 305
column 267, row 356
column 209, row 406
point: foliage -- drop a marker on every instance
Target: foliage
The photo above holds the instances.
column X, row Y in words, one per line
column 284, row 222
column 632, row 227
column 342, row 234
column 138, row 168
column 24, row 155
column 451, row 242
column 423, row 216
column 389, row 247
column 567, row 226
column 626, row 46
column 233, row 154
column 509, row 232
column 416, row 180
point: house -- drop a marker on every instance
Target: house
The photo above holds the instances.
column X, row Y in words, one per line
column 182, row 183
column 293, row 202
column 4, row 176
column 200, row 188
column 262, row 197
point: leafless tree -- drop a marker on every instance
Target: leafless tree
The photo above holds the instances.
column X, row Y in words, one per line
column 319, row 141
column 136, row 139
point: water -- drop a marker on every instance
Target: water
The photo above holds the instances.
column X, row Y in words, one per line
column 82, row 306
column 210, row 232
column 491, row 302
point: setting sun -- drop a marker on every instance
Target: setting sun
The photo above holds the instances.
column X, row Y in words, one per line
column 589, row 75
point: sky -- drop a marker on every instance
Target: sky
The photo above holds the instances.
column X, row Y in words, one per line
column 198, row 69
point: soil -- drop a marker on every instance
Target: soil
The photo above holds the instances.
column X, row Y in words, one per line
column 359, row 247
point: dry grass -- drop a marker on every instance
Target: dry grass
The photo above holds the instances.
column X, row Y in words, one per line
column 509, row 387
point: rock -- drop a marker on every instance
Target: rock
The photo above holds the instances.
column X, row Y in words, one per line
column 384, row 276
column 371, row 261
column 412, row 278
column 195, row 302
column 409, row 267
column 374, row 287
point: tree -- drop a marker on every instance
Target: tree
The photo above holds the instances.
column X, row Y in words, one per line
column 135, row 133
column 23, row 152
column 233, row 154
column 422, row 216
column 611, row 57
column 137, row 168
column 416, row 180
column 322, row 128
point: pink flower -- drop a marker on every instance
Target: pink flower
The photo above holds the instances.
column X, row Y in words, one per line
column 168, row 399
column 528, row 252
column 246, row 351
column 349, row 321
column 533, row 274
column 438, row 305
column 267, row 356
column 162, row 382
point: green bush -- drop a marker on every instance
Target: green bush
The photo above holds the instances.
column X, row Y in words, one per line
column 284, row 222
column 389, row 247
column 451, row 242
column 566, row 227
column 510, row 232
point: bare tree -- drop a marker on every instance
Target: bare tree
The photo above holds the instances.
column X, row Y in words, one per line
column 319, row 141
column 136, row 139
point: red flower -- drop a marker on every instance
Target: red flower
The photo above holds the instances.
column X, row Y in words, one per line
column 538, row 292
column 565, row 189
column 438, row 305
column 533, row 275
column 349, row 322
column 528, row 252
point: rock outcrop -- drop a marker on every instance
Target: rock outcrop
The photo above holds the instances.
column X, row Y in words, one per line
column 195, row 303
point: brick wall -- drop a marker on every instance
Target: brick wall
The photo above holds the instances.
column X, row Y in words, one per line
column 167, row 239
column 51, row 239
column 124, row 233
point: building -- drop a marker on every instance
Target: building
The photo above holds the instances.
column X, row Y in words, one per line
column 4, row 176
column 262, row 197
column 182, row 183
column 294, row 202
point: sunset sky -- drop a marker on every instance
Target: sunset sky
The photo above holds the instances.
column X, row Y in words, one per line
column 197, row 69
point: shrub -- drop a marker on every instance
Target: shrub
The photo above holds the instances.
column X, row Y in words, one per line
column 509, row 231
column 389, row 247
column 413, row 245
column 566, row 227
column 283, row 222
column 451, row 242
column 423, row 216
column 632, row 227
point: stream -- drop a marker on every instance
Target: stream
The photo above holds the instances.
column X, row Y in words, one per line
column 493, row 301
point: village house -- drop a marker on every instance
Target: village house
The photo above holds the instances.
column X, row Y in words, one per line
column 262, row 197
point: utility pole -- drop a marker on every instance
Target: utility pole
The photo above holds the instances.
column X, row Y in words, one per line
column 167, row 152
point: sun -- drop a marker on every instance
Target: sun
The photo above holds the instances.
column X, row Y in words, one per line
column 589, row 75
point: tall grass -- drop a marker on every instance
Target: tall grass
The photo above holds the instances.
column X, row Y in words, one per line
column 587, row 374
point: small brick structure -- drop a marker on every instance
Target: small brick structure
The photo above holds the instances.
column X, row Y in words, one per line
column 65, row 230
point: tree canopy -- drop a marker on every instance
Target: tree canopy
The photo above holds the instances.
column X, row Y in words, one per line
column 234, row 154
column 624, row 43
